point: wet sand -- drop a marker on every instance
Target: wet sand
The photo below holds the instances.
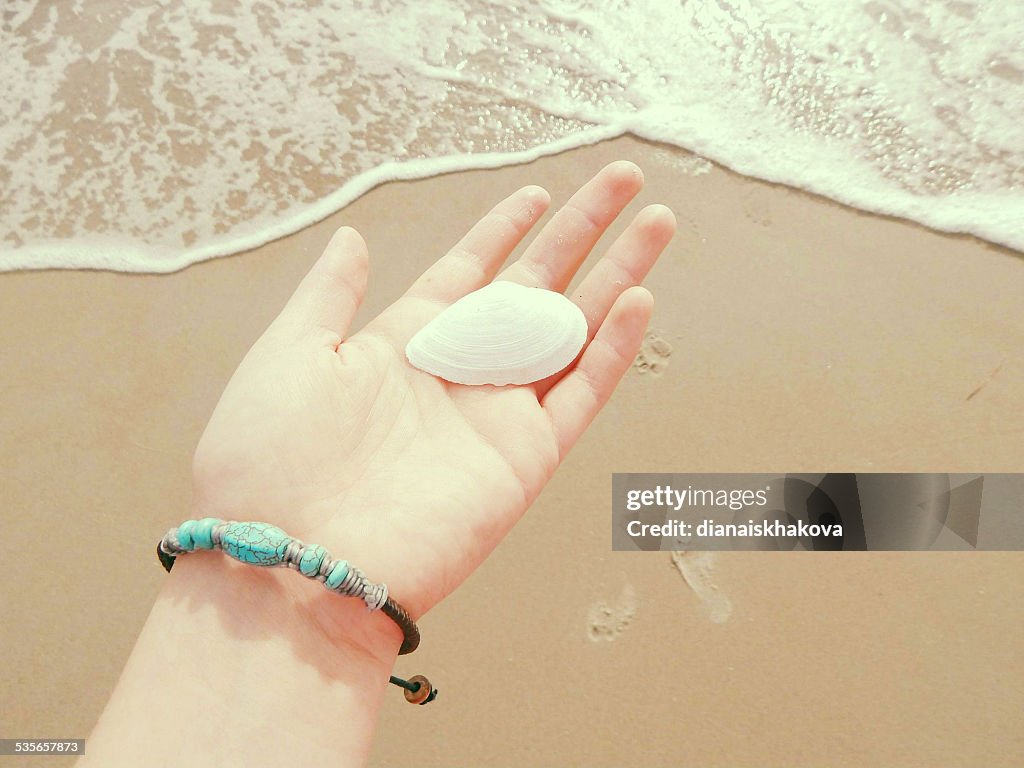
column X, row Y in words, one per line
column 790, row 334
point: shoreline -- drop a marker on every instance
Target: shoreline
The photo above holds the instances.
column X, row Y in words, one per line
column 155, row 261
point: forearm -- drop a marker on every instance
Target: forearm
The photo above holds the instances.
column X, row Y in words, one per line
column 233, row 667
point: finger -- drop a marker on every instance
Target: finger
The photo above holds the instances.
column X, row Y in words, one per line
column 477, row 257
column 553, row 258
column 575, row 400
column 327, row 298
column 626, row 264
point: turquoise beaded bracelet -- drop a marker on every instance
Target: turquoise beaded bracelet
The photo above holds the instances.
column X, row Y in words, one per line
column 264, row 544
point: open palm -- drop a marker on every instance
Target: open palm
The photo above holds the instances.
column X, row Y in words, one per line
column 338, row 440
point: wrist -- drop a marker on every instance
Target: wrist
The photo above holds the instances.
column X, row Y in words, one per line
column 341, row 614
column 343, row 622
column 262, row 599
column 227, row 653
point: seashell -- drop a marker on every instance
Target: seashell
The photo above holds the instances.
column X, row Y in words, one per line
column 504, row 333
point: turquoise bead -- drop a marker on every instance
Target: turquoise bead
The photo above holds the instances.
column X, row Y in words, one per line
column 185, row 535
column 202, row 532
column 337, row 574
column 311, row 560
column 255, row 543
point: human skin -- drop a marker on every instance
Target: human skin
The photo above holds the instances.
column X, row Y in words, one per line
column 337, row 440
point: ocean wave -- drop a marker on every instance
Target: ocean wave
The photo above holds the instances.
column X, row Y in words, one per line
column 146, row 136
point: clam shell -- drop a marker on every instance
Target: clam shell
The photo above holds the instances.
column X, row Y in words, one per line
column 504, row 333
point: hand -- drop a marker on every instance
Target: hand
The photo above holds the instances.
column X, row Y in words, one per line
column 339, row 441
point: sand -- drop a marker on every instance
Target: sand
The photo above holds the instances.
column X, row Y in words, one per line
column 790, row 334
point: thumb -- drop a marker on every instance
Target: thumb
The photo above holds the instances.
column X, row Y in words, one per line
column 329, row 295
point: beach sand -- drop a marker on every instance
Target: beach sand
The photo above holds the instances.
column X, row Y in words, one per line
column 790, row 334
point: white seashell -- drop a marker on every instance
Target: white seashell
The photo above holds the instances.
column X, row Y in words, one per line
column 505, row 333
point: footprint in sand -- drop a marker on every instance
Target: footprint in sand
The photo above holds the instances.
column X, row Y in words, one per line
column 696, row 570
column 654, row 354
column 757, row 205
column 607, row 622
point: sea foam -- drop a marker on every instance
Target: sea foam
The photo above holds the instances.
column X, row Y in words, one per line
column 145, row 136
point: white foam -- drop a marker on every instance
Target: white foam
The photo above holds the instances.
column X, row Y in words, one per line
column 141, row 136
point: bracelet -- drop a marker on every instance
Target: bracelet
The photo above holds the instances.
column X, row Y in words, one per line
column 265, row 545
